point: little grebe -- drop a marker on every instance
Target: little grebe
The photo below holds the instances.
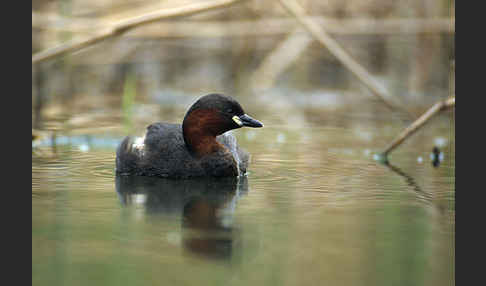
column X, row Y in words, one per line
column 198, row 148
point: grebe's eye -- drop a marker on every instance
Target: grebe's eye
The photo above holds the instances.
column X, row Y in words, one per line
column 229, row 110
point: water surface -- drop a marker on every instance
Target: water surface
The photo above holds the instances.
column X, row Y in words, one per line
column 314, row 209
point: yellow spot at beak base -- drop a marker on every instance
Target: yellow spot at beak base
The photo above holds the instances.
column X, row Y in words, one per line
column 237, row 120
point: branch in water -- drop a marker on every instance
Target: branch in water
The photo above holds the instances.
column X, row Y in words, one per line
column 441, row 105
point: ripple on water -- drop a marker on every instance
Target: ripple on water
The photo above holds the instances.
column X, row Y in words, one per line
column 320, row 179
column 314, row 173
column 70, row 165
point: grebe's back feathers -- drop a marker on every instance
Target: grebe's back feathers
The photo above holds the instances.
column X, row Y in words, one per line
column 163, row 153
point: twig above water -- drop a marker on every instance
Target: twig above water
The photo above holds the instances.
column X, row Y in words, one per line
column 251, row 27
column 125, row 25
column 441, row 105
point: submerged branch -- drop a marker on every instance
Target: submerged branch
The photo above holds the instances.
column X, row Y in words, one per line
column 350, row 63
column 417, row 190
column 441, row 105
column 125, row 25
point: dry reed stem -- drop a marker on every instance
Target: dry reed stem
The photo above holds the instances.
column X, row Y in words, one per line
column 327, row 41
column 124, row 25
column 280, row 58
column 262, row 27
column 412, row 128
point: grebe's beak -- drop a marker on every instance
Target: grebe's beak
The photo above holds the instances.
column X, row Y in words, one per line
column 246, row 120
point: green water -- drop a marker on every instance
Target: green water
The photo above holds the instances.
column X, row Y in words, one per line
column 315, row 208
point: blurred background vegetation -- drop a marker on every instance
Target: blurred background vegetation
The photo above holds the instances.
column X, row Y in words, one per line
column 253, row 50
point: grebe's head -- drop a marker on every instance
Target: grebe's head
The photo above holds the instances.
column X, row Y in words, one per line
column 217, row 113
column 212, row 115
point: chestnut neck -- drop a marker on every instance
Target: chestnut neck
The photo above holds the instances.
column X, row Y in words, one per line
column 200, row 128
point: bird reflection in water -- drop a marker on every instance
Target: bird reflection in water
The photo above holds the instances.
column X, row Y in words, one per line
column 205, row 206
